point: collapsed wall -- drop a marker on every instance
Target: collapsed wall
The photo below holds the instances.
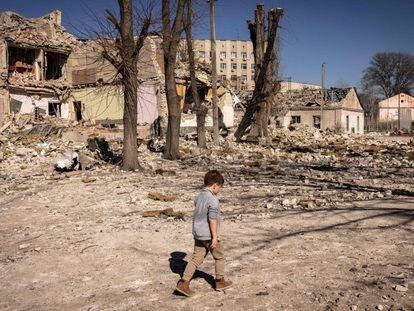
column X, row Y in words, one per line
column 33, row 56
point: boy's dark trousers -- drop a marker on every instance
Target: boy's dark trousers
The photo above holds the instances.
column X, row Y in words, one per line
column 201, row 249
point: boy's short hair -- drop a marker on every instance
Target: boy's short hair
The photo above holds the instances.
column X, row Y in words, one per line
column 213, row 177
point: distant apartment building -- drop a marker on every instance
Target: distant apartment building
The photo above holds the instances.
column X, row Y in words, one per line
column 235, row 60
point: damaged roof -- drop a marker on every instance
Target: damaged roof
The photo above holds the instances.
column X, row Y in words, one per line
column 313, row 99
column 43, row 32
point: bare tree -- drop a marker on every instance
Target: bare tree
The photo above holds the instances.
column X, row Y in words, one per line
column 369, row 101
column 123, row 52
column 257, row 112
column 390, row 73
column 170, row 40
column 200, row 109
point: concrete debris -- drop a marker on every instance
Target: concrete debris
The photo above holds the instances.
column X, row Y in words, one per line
column 86, row 162
column 169, row 212
column 67, row 162
column 157, row 196
column 101, row 146
column 303, row 168
column 21, row 152
column 24, row 246
column 43, row 31
column 88, row 180
column 155, row 145
column 401, row 288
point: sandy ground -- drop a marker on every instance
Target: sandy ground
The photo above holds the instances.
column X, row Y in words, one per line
column 68, row 245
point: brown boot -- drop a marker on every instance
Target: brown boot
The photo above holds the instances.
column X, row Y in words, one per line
column 222, row 284
column 184, row 288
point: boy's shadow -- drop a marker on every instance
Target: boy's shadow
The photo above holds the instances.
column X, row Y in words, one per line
column 178, row 264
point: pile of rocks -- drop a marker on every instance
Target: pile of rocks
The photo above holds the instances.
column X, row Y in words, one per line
column 298, row 168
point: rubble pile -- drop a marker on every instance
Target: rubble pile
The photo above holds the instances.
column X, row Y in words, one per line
column 306, row 168
column 31, row 43
column 32, row 150
column 41, row 32
column 244, row 96
column 299, row 167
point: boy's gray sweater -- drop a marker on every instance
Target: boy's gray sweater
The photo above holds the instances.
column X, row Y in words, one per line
column 206, row 208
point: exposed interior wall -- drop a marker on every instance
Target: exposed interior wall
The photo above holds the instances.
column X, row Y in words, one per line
column 147, row 109
column 107, row 103
column 36, row 64
column 98, row 103
column 55, row 65
column 85, row 66
column 26, row 103
column 21, row 62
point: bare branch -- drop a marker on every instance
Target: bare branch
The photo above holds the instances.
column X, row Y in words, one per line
column 142, row 36
column 111, row 17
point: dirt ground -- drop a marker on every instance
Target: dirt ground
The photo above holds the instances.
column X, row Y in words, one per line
column 69, row 245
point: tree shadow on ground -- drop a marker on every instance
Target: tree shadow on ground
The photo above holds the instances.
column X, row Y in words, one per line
column 403, row 217
column 178, row 264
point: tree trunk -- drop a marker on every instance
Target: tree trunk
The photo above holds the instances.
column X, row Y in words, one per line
column 256, row 115
column 214, row 74
column 130, row 152
column 172, row 151
column 130, row 84
column 123, row 54
column 171, row 38
column 259, row 34
column 201, row 110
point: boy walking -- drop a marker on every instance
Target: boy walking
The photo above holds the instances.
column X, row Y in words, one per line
column 206, row 229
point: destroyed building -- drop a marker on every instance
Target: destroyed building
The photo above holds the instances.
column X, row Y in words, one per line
column 47, row 71
column 334, row 109
column 97, row 94
column 33, row 64
column 288, row 85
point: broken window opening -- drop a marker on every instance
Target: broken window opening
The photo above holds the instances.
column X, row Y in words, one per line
column 54, row 109
column 77, row 106
column 54, row 63
column 21, row 61
column 295, row 120
column 317, row 122
column 347, row 123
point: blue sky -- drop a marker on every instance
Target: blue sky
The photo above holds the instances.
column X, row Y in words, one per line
column 344, row 34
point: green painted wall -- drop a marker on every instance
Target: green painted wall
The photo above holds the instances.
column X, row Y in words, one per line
column 100, row 103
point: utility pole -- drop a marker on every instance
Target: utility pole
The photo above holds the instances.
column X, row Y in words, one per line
column 214, row 73
column 323, row 92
